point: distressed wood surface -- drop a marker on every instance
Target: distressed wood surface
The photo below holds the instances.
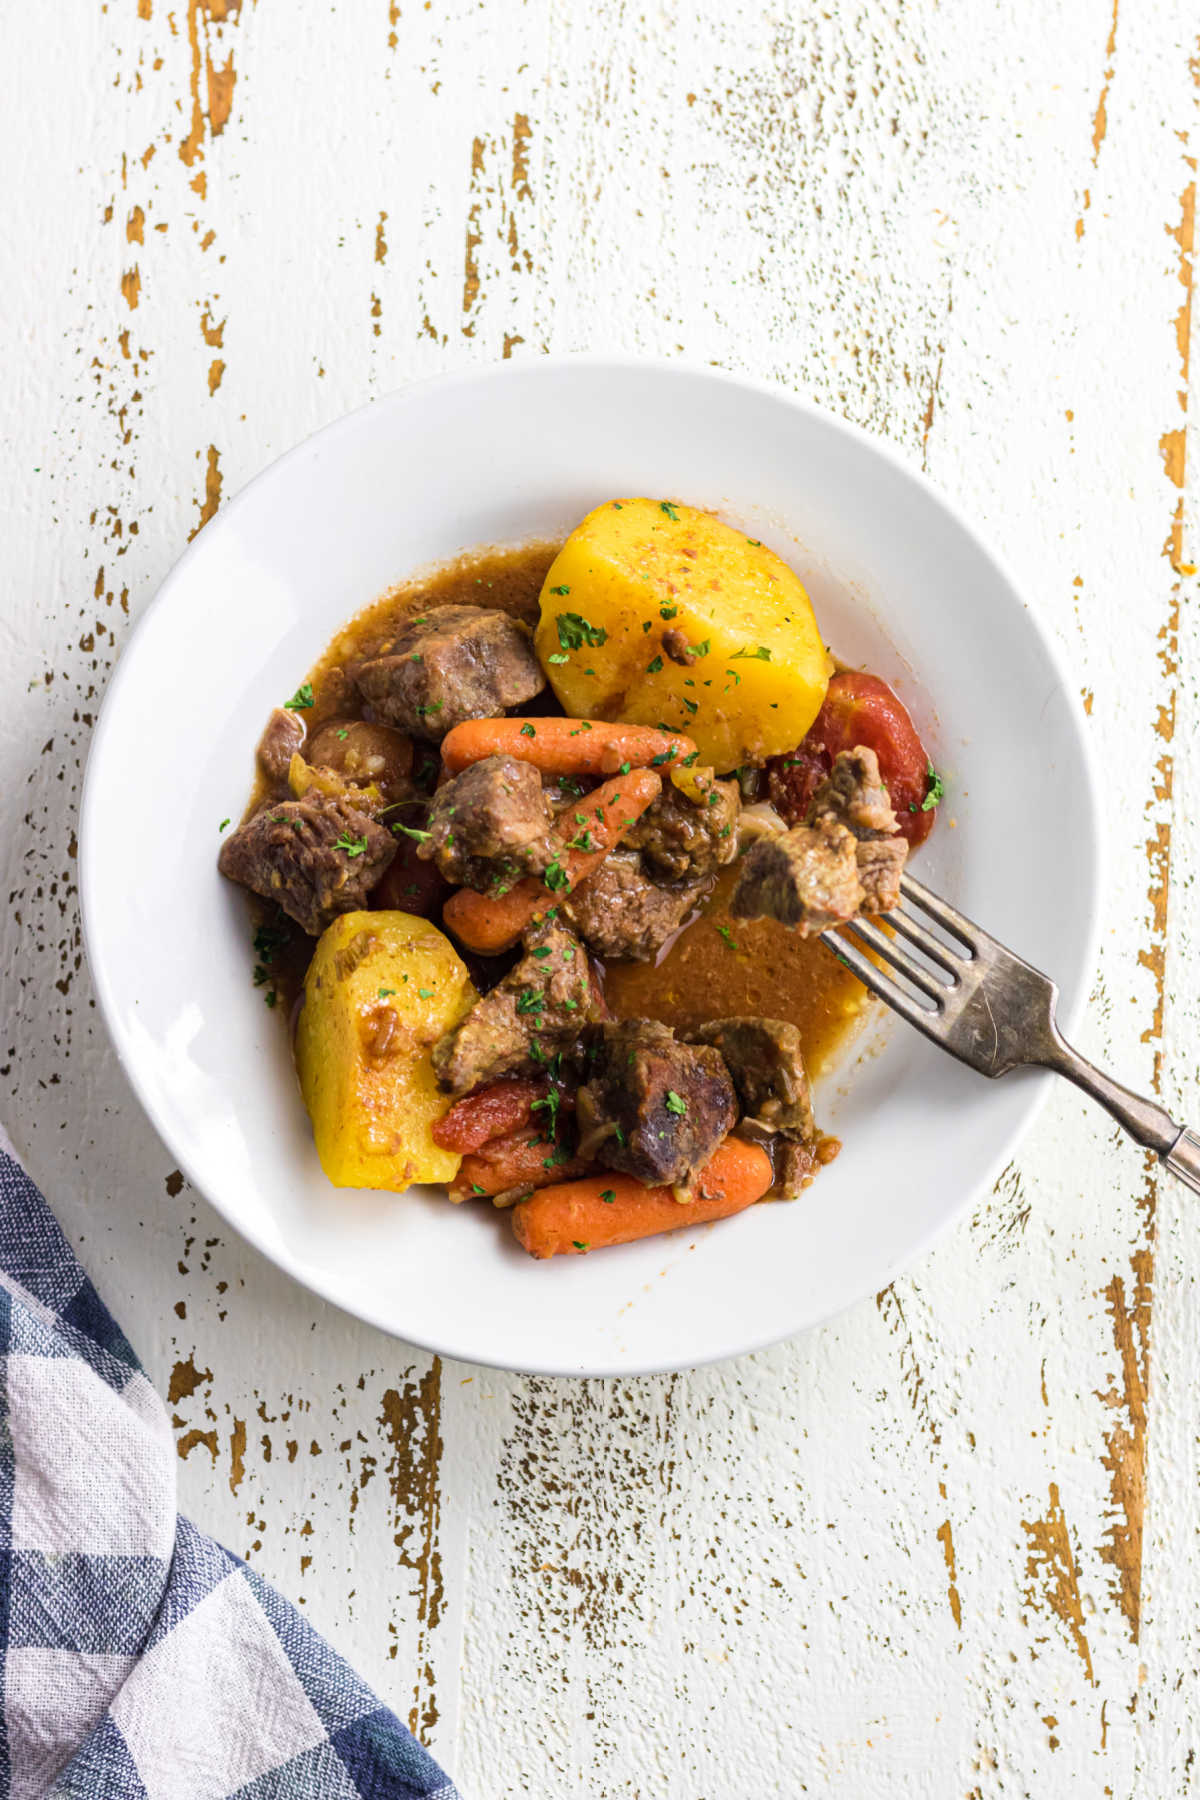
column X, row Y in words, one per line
column 947, row 1546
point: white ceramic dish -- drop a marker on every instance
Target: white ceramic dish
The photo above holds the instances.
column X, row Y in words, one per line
column 901, row 583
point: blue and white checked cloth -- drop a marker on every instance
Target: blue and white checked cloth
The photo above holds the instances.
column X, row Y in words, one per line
column 139, row 1660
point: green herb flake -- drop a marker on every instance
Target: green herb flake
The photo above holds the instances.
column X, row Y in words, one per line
column 574, row 631
column 342, row 736
column 937, row 789
column 425, row 993
column 352, row 846
column 558, row 656
column 760, row 653
column 302, row 699
column 412, row 832
column 724, row 931
column 385, row 993
column 528, row 731
column 654, row 666
column 431, row 707
column 664, row 756
column 476, row 1189
column 757, row 542
column 530, row 1001
column 271, row 997
column 700, row 649
column 690, row 704
column 221, row 827
column 669, row 507
column 664, row 612
column 676, row 1103
column 556, row 877
column 562, row 589
column 542, row 950
column 608, row 1195
column 577, row 1245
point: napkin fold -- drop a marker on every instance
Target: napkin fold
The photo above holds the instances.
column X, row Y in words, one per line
column 138, row 1659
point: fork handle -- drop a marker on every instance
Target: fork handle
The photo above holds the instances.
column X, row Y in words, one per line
column 1148, row 1123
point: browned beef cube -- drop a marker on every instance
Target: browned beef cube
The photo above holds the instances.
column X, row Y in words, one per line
column 653, row 1108
column 680, row 837
column 542, row 1006
column 853, row 794
column 449, row 664
column 624, row 916
column 806, row 877
column 766, row 1062
column 482, row 822
column 880, row 861
column 281, row 738
column 315, row 857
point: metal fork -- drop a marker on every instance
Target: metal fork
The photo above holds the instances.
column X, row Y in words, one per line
column 994, row 1012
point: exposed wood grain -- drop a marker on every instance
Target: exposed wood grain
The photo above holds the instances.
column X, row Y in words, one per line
column 951, row 1544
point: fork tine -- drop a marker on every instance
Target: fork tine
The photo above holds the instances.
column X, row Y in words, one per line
column 938, row 909
column 909, row 967
column 935, row 949
column 873, row 977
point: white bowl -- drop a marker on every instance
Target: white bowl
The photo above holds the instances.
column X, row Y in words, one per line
column 901, row 584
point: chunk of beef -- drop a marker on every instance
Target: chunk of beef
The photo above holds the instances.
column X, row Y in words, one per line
column 845, row 860
column 449, row 664
column 880, row 861
column 808, row 878
column 315, row 857
column 281, row 739
column 853, row 794
column 680, row 837
column 621, row 914
column 364, row 755
column 764, row 1058
column 540, row 1007
column 652, row 1107
column 484, row 821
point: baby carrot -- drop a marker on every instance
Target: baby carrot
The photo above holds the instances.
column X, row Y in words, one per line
column 565, row 746
column 575, row 1216
column 494, row 1111
column 524, row 1159
column 488, row 923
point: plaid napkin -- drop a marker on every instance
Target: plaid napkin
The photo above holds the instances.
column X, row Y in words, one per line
column 138, row 1659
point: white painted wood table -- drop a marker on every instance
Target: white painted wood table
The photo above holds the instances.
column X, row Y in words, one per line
column 947, row 1546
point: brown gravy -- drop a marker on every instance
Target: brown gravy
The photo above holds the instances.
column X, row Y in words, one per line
column 749, row 967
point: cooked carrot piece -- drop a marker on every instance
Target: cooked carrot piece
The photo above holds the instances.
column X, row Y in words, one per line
column 575, row 1216
column 524, row 1159
column 495, row 1111
column 488, row 923
column 565, row 746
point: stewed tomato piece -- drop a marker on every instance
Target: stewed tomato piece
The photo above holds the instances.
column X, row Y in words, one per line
column 860, row 709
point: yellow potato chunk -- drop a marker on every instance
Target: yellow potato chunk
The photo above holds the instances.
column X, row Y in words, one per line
column 659, row 614
column 381, row 989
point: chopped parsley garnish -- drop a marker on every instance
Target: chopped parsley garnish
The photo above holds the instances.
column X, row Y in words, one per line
column 760, row 653
column 412, row 832
column 302, row 699
column 222, row 825
column 714, row 799
column 476, row 1189
column 342, row 736
column 676, row 1102
column 271, row 997
column 549, row 1104
column 385, row 993
column 653, row 667
column 724, row 931
column 352, row 846
column 574, row 631
column 416, row 657
column 669, row 507
column 581, row 841
column 528, row 731
column 530, row 1001
column 431, row 706
column 690, row 759
column 663, row 756
column 261, row 975
column 556, row 1158
column 608, row 1195
column 562, row 589
column 425, row 993
column 542, row 950
column 690, row 704
column 557, row 656
column 570, row 786
column 700, row 649
column 556, row 876
column 577, row 1245
column 624, row 769
column 937, row 789
column 619, row 1134
column 757, row 542
column 647, row 624
column 665, row 612
column 268, row 940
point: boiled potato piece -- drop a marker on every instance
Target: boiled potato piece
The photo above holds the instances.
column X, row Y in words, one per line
column 660, row 614
column 381, row 989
